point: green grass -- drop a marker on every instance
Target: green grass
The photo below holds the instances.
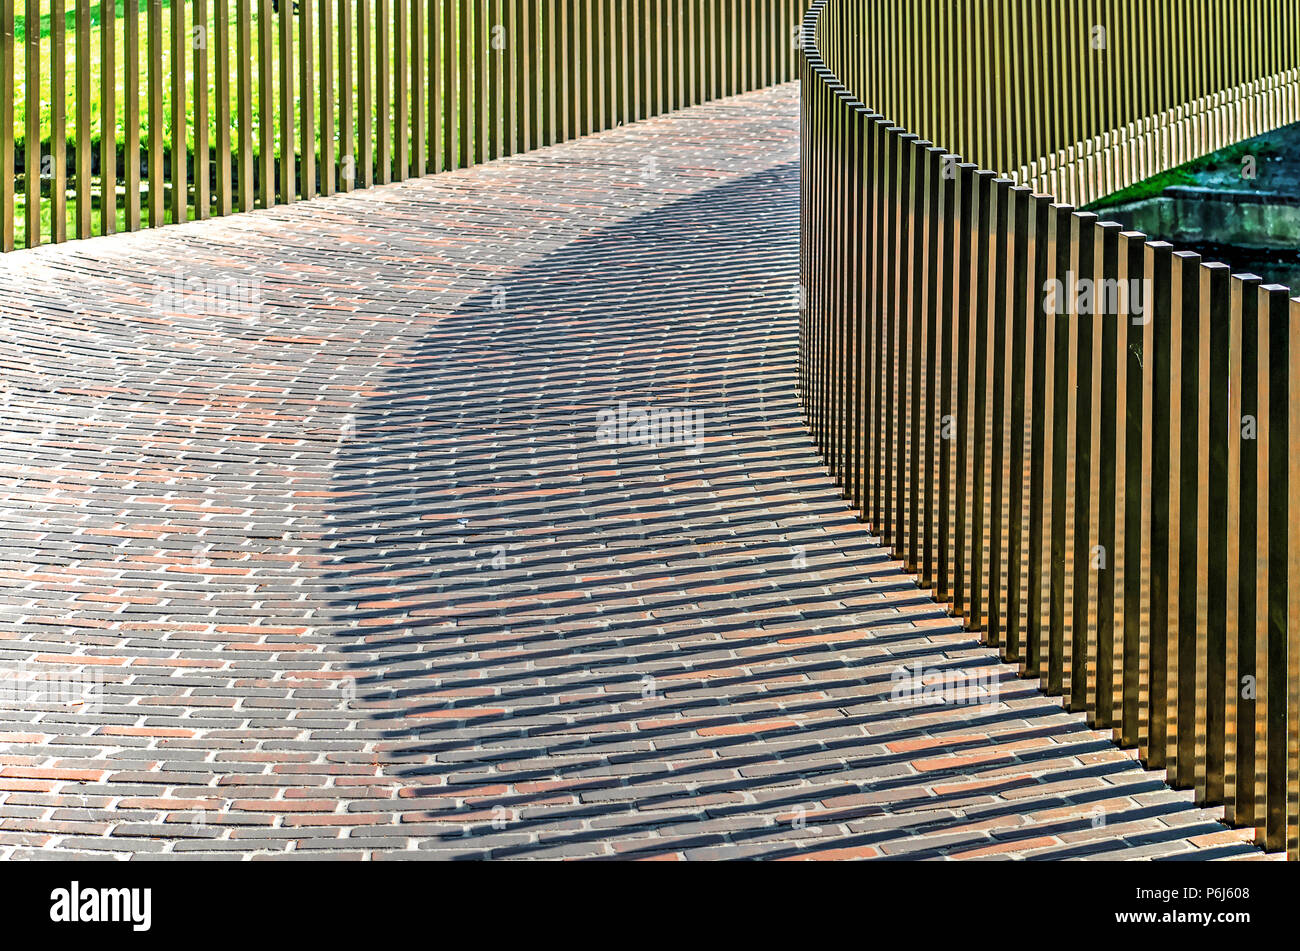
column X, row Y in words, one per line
column 1223, row 160
column 23, row 99
column 1147, row 188
column 48, row 57
column 69, row 17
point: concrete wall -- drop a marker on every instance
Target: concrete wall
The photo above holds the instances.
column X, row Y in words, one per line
column 1195, row 215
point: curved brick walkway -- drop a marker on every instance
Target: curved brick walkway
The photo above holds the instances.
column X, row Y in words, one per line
column 348, row 570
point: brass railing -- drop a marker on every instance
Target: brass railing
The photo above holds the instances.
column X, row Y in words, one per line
column 186, row 109
column 1086, row 442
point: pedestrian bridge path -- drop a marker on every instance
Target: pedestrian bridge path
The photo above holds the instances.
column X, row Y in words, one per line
column 331, row 530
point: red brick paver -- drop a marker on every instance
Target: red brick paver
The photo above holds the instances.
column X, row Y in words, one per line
column 314, row 510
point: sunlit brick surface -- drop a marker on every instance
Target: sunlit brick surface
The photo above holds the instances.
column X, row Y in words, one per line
column 348, row 568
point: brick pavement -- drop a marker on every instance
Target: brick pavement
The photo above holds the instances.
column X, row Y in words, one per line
column 335, row 523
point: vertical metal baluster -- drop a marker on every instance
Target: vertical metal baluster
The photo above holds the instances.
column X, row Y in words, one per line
column 243, row 108
column 157, row 201
column 964, row 263
column 1145, row 684
column 108, row 116
column 1106, row 401
column 1266, row 782
column 33, row 161
column 1037, row 463
column 224, row 193
column 328, row 105
column 180, row 189
column 8, row 189
column 1016, row 461
column 1078, row 462
column 384, row 92
column 1207, row 736
column 1291, row 657
column 996, row 476
column 265, row 105
column 1240, row 562
column 81, row 24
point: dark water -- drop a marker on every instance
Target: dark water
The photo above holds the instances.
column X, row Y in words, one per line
column 1275, row 267
column 1278, row 175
